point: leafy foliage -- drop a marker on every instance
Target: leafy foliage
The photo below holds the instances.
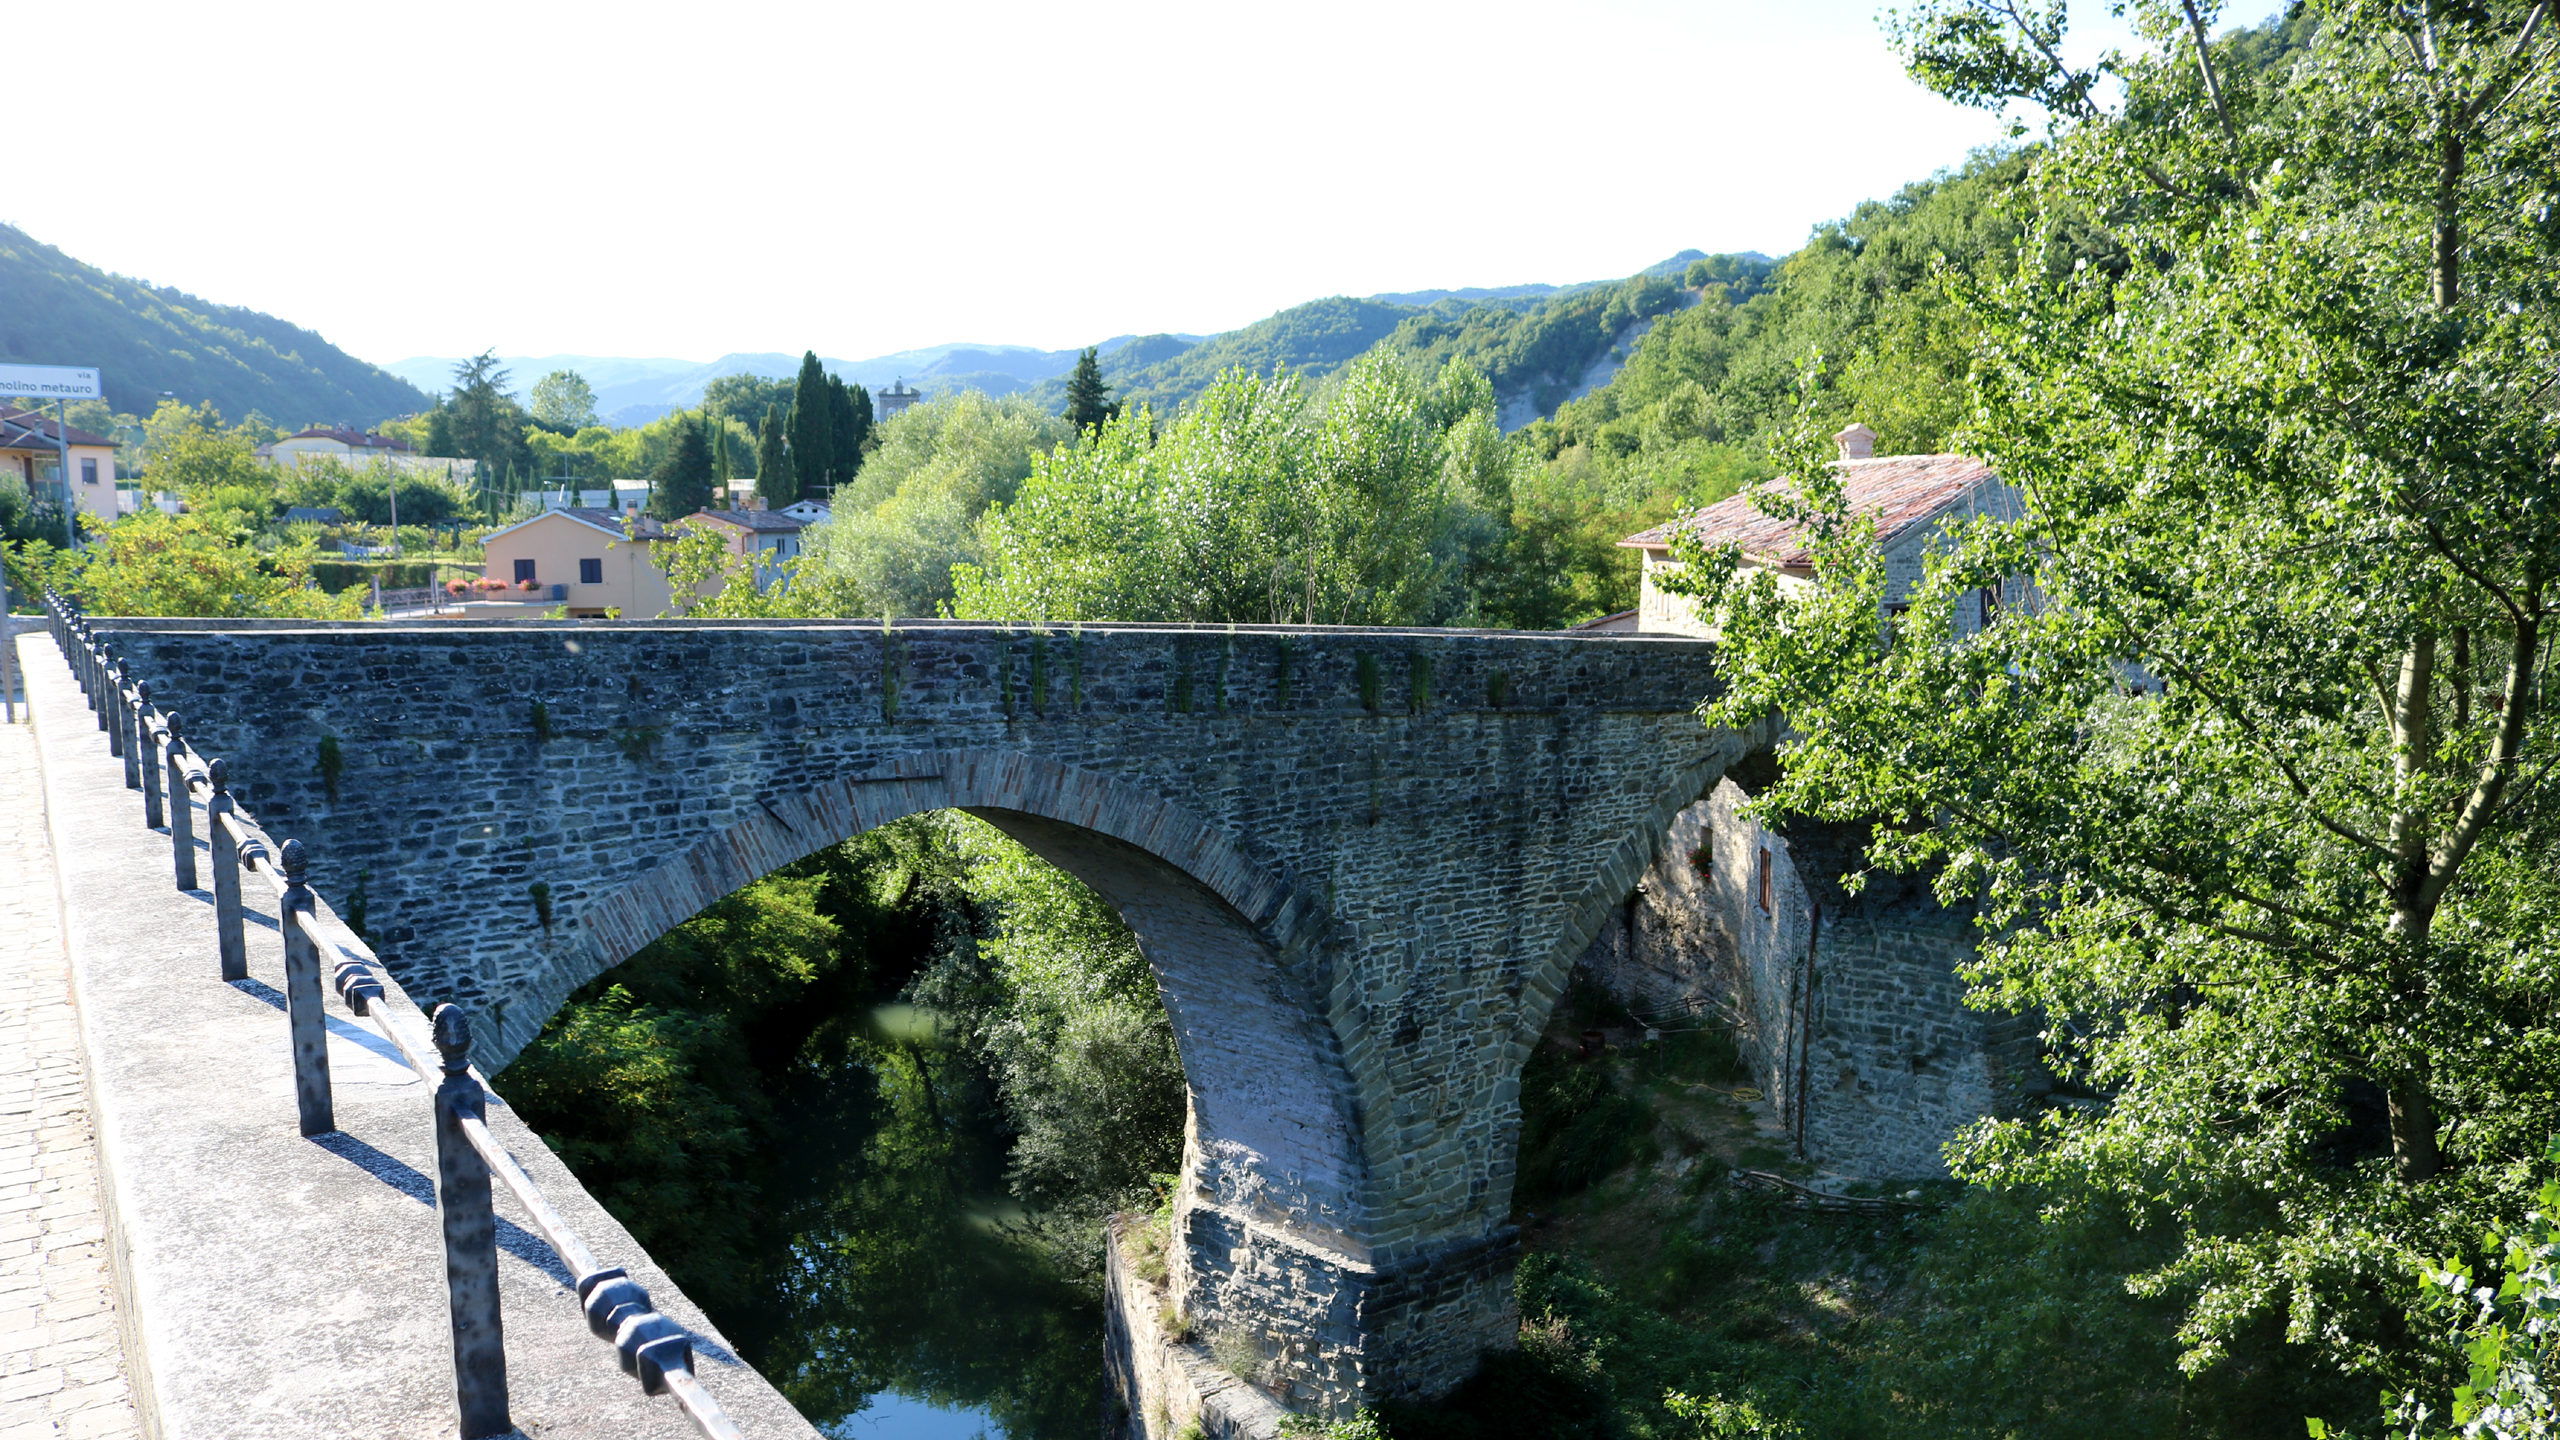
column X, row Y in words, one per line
column 1250, row 507
column 2276, row 412
column 565, row 400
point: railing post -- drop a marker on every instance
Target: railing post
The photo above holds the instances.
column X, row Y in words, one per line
column 228, row 933
column 98, row 659
column 302, row 997
column 182, row 810
column 470, row 1237
column 116, row 745
column 148, row 742
column 120, row 680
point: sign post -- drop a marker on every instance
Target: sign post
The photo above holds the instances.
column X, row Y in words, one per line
column 60, row 384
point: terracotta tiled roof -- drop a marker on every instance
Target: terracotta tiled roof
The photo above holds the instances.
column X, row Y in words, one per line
column 1900, row 491
column 33, row 430
column 762, row 520
column 355, row 439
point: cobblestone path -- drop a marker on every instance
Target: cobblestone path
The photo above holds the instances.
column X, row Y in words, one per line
column 61, row 1364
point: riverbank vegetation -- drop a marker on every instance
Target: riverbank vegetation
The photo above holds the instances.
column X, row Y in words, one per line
column 887, row 1092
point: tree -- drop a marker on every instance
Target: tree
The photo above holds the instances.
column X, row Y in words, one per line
column 2271, row 370
column 744, row 398
column 483, row 422
column 773, row 460
column 813, row 435
column 849, row 406
column 564, row 398
column 149, row 563
column 1088, row 398
column 1251, row 507
column 681, row 484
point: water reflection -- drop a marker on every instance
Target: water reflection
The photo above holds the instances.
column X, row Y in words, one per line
column 895, row 1301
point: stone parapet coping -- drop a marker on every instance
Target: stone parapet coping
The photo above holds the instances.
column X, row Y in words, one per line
column 274, row 1287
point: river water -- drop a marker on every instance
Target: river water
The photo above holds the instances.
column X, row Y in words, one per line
column 900, row 1299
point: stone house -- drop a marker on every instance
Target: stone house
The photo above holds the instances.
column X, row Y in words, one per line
column 1913, row 500
column 1848, row 1008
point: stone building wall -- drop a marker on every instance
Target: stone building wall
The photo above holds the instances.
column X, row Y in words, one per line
column 1848, row 1009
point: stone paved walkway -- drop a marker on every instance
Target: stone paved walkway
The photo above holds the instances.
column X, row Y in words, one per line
column 61, row 1363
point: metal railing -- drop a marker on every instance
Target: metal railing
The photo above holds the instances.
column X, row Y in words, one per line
column 159, row 762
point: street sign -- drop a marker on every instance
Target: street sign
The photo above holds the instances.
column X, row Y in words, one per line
column 51, row 382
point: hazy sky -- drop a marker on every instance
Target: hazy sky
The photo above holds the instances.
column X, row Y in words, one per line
column 651, row 179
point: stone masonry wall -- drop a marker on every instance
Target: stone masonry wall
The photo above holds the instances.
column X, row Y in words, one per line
column 1848, row 1008
column 1363, row 862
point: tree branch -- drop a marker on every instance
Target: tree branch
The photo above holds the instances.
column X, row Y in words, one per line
column 2496, row 768
column 2204, row 63
column 2497, row 91
column 2276, row 758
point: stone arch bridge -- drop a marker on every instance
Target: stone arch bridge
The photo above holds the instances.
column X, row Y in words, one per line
column 1362, row 863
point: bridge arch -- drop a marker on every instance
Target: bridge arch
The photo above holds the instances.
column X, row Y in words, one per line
column 1273, row 1155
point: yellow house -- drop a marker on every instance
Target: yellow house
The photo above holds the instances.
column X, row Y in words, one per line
column 586, row 559
column 28, row 449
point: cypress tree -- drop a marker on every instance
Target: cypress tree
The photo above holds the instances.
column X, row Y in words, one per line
column 773, row 457
column 1088, row 399
column 852, row 426
column 682, row 482
column 720, row 468
column 813, row 434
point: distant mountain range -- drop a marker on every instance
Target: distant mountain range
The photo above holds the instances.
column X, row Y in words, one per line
column 1539, row 344
column 147, row 340
column 634, row 392
column 1317, row 338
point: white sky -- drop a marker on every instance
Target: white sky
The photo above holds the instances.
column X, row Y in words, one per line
column 648, row 179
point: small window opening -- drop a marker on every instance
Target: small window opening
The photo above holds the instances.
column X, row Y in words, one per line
column 1768, row 886
column 591, row 572
column 524, row 570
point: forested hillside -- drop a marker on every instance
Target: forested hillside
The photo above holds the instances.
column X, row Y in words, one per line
column 146, row 339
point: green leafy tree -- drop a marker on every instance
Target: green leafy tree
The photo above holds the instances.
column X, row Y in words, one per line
column 149, row 563
column 2272, row 374
column 914, row 510
column 564, row 398
column 813, row 435
column 1088, row 398
column 681, row 484
column 1252, row 506
column 744, row 399
column 773, row 459
column 483, row 422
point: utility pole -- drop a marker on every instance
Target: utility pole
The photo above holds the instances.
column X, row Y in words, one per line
column 62, row 459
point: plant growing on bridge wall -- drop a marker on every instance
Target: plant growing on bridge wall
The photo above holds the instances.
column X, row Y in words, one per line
column 333, row 763
column 541, row 723
column 2274, row 377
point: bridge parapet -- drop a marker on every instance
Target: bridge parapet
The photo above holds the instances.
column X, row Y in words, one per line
column 160, row 763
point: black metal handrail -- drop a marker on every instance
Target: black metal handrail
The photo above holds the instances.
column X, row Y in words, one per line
column 160, row 763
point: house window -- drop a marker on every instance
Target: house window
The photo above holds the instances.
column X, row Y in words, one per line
column 590, row 572
column 88, row 472
column 524, row 570
column 1768, row 888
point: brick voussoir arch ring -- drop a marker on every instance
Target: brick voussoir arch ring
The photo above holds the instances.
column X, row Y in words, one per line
column 785, row 828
